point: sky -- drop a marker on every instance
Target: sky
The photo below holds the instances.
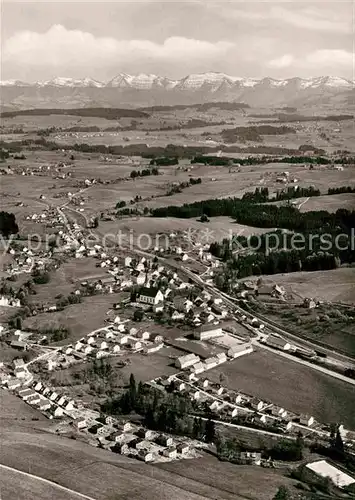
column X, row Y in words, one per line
column 44, row 39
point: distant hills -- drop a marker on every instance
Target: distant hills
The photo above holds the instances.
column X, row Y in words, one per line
column 154, row 90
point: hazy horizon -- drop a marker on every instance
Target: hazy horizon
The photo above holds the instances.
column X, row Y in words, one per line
column 44, row 39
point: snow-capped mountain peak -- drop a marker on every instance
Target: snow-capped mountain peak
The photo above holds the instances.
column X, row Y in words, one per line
column 61, row 81
column 209, row 81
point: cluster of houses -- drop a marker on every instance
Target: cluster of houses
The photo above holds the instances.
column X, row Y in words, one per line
column 227, row 404
column 47, row 400
column 115, row 339
column 9, row 301
column 49, row 217
column 260, row 289
column 22, row 261
column 135, row 441
column 20, row 375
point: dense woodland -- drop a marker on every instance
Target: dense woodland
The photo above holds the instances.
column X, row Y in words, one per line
column 107, row 113
column 253, row 133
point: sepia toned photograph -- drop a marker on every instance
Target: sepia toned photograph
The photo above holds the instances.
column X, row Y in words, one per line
column 177, row 250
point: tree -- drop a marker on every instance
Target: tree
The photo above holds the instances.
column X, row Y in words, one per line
column 338, row 442
column 8, row 224
column 204, row 218
column 283, row 493
column 210, row 431
column 138, row 315
column 132, row 390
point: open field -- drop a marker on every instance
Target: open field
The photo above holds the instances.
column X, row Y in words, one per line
column 107, row 476
column 66, row 279
column 218, row 229
column 290, row 385
column 15, row 485
column 80, row 319
column 330, row 203
column 247, row 481
column 216, row 182
column 335, row 285
column 14, row 409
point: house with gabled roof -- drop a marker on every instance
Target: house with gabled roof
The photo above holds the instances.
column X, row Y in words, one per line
column 151, row 296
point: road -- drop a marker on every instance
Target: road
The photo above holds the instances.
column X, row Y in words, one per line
column 46, row 481
column 307, row 363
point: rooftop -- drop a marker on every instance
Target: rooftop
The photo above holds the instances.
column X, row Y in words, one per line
column 148, row 292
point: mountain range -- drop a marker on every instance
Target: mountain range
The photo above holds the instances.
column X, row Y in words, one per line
column 149, row 89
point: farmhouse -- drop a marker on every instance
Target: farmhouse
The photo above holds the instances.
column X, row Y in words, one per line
column 208, row 332
column 81, row 424
column 26, row 393
column 33, row 399
column 239, row 350
column 249, row 457
column 306, row 420
column 257, row 404
column 150, row 296
column 211, row 363
column 44, row 404
column 277, row 411
column 145, row 456
column 186, row 361
column 277, row 342
column 165, row 440
column 19, row 362
column 198, row 368
column 183, row 448
column 13, row 384
column 170, row 452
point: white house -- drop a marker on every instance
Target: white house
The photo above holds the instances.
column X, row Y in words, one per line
column 88, row 349
column 20, row 372
column 221, row 357
column 257, row 404
column 143, row 335
column 185, row 361
column 210, row 363
column 81, row 424
column 13, row 384
column 277, row 411
column 306, row 420
column 78, row 346
column 207, row 332
column 44, row 404
column 239, row 350
column 140, row 279
column 198, row 368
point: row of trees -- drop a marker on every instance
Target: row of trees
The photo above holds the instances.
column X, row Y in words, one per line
column 164, row 162
column 144, row 172
column 178, row 187
column 341, row 190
